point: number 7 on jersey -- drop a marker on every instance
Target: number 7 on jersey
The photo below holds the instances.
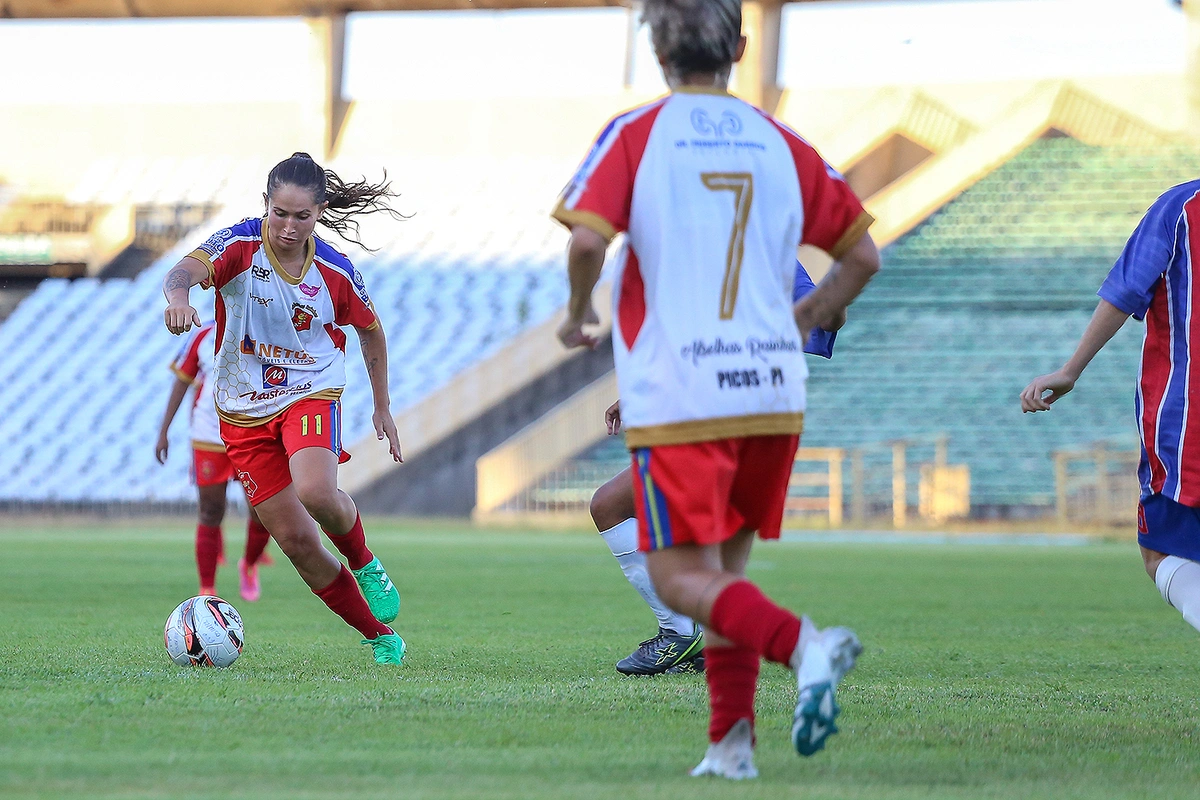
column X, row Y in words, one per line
column 742, row 186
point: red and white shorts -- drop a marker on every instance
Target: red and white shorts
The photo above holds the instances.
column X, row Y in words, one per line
column 260, row 453
column 704, row 492
column 210, row 466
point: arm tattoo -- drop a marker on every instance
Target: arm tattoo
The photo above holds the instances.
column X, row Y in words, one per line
column 178, row 278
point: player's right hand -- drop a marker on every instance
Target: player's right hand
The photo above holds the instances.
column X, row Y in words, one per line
column 1035, row 399
column 181, row 317
column 612, row 418
column 161, row 448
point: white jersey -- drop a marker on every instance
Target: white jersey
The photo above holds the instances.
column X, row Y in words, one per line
column 714, row 197
column 278, row 336
column 194, row 365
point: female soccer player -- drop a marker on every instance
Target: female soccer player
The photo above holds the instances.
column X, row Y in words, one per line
column 1154, row 280
column 211, row 468
column 282, row 294
column 714, row 196
column 678, row 647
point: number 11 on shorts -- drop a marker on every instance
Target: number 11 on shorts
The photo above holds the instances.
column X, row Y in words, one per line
column 316, row 425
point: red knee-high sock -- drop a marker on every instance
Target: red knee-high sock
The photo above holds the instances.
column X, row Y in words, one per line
column 208, row 547
column 732, row 674
column 257, row 537
column 743, row 614
column 353, row 545
column 345, row 600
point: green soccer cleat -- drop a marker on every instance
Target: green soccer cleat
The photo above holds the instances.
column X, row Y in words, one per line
column 381, row 593
column 388, row 648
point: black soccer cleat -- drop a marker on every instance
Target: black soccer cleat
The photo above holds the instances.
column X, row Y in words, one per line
column 668, row 652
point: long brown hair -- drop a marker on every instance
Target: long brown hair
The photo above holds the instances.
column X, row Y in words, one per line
column 346, row 200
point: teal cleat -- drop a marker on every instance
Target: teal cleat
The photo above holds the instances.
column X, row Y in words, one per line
column 388, row 648
column 381, row 593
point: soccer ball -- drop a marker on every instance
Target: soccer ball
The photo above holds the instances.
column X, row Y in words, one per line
column 204, row 631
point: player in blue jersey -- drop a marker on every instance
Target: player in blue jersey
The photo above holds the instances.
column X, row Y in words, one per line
column 678, row 647
column 1155, row 280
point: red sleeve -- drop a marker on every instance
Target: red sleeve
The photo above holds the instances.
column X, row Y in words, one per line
column 601, row 192
column 186, row 364
column 351, row 304
column 229, row 252
column 834, row 218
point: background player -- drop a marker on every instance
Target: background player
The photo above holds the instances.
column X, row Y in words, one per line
column 280, row 371
column 1154, row 280
column 714, row 197
column 679, row 644
column 211, row 468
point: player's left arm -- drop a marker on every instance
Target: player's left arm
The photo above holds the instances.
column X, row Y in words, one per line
column 373, row 343
column 825, row 307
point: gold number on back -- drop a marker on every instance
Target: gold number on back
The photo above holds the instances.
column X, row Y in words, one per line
column 742, row 186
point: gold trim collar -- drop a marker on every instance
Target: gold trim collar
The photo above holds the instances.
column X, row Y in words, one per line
column 310, row 251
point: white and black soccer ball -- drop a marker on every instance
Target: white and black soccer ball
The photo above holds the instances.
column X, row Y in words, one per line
column 204, row 631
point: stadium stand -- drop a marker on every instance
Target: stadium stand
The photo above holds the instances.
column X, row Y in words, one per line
column 987, row 292
column 86, row 359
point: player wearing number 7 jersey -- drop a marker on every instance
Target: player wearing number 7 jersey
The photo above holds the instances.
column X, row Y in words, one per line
column 714, row 196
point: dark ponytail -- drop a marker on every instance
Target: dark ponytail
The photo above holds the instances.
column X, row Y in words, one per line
column 346, row 200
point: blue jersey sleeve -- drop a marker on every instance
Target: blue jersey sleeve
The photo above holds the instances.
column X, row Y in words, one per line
column 820, row 342
column 1146, row 257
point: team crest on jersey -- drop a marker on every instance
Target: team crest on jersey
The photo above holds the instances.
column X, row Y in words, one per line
column 274, row 376
column 302, row 316
column 309, row 291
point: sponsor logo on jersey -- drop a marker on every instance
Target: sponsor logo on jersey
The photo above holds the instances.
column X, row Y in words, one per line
column 262, row 301
column 274, row 376
column 248, row 483
column 275, row 353
column 260, row 273
column 309, row 291
column 302, row 316
column 272, row 394
column 215, row 244
column 360, row 285
column 730, row 124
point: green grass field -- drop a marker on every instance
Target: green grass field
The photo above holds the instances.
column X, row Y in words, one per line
column 989, row 672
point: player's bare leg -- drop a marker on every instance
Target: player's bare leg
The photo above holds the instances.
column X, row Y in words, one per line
column 314, row 475
column 678, row 645
column 209, row 544
column 1178, row 581
column 296, row 533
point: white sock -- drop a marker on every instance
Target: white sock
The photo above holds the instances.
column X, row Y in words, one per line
column 622, row 540
column 1178, row 582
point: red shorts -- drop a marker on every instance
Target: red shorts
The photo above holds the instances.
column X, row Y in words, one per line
column 211, row 467
column 260, row 453
column 705, row 492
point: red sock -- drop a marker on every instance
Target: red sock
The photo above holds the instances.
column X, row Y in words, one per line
column 208, row 547
column 732, row 674
column 345, row 599
column 353, row 545
column 257, row 537
column 743, row 614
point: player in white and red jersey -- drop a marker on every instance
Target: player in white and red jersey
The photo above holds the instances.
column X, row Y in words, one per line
column 714, row 196
column 211, row 467
column 282, row 296
column 678, row 647
column 1154, row 279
